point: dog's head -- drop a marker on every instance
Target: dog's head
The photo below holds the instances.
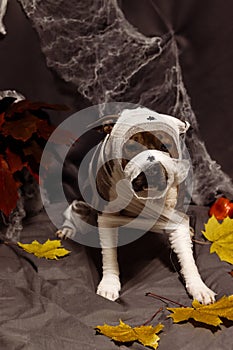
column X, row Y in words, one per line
column 147, row 147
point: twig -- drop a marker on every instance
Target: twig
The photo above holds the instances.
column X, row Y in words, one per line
column 153, row 316
column 9, row 243
column 149, row 294
column 201, row 242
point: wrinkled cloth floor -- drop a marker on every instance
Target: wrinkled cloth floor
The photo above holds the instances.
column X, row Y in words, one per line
column 53, row 305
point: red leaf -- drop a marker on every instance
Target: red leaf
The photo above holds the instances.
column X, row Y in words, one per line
column 44, row 129
column 61, row 137
column 34, row 151
column 14, row 161
column 2, row 119
column 221, row 208
column 231, row 273
column 9, row 194
column 26, row 105
column 35, row 175
column 21, row 129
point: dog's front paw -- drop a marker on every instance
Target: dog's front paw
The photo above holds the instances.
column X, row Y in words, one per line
column 65, row 232
column 109, row 287
column 201, row 292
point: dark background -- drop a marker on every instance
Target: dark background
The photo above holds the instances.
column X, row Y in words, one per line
column 56, row 307
column 204, row 31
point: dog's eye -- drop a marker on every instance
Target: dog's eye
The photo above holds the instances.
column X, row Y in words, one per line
column 133, row 146
column 135, row 138
column 168, row 145
column 164, row 148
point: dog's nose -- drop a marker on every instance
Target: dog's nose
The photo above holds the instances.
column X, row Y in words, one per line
column 156, row 177
column 154, row 169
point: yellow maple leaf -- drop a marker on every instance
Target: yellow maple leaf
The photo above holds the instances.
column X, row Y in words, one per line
column 210, row 314
column 123, row 333
column 221, row 234
column 49, row 250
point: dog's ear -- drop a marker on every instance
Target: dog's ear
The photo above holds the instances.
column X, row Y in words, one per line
column 104, row 124
column 107, row 127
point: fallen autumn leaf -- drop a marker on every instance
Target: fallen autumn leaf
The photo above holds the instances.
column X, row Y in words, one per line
column 221, row 234
column 123, row 333
column 208, row 314
column 49, row 250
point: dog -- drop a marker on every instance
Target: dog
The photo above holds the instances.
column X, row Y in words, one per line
column 142, row 152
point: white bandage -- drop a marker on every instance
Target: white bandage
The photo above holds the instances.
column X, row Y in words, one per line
column 132, row 121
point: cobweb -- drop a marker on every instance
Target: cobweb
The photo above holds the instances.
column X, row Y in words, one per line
column 91, row 45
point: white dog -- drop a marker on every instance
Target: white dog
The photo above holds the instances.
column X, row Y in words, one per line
column 140, row 170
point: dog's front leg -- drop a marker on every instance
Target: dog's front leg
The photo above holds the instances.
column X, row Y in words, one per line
column 182, row 245
column 110, row 286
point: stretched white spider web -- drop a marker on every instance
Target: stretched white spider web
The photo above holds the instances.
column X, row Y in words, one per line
column 91, row 45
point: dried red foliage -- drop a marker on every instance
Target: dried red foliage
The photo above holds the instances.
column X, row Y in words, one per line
column 9, row 188
column 26, row 105
column 24, row 129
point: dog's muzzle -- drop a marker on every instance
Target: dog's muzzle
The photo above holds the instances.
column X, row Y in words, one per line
column 152, row 179
column 151, row 173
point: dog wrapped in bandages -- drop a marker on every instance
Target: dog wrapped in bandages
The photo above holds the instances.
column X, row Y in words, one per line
column 140, row 168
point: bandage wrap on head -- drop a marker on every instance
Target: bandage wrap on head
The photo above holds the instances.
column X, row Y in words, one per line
column 132, row 121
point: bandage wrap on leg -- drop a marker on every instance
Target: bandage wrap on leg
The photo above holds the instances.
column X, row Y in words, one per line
column 109, row 286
